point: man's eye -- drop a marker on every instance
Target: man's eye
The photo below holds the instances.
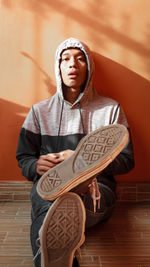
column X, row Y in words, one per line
column 65, row 59
column 81, row 58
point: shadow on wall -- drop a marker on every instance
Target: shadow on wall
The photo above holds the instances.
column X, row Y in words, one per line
column 133, row 92
column 48, row 82
column 94, row 22
column 11, row 120
column 111, row 79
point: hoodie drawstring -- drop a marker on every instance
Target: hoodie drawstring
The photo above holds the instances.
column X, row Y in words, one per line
column 81, row 118
column 62, row 107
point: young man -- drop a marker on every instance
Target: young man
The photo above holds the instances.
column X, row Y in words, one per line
column 50, row 135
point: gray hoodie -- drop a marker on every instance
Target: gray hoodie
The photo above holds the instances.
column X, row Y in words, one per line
column 55, row 124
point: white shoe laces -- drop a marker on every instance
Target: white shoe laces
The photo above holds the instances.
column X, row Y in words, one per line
column 78, row 251
column 39, row 250
column 95, row 193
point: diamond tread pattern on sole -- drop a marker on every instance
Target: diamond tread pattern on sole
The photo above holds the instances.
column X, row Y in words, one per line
column 63, row 226
column 52, row 180
column 95, row 147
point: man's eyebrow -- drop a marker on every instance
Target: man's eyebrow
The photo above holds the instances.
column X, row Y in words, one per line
column 64, row 53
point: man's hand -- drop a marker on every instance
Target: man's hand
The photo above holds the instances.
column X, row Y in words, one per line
column 48, row 161
column 63, row 155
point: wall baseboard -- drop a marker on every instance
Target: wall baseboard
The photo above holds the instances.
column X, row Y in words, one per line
column 20, row 191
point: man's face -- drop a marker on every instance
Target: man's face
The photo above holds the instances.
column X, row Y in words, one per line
column 73, row 68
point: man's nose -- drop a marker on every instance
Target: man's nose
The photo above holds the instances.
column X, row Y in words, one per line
column 72, row 62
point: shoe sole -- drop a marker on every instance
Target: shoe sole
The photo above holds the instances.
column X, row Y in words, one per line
column 93, row 154
column 62, row 232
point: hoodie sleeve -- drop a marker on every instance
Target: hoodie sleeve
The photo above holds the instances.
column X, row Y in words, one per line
column 124, row 162
column 29, row 144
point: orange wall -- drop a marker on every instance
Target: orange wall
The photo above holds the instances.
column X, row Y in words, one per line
column 117, row 32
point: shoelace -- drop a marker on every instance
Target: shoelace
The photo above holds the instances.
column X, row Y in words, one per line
column 78, row 251
column 95, row 193
column 39, row 250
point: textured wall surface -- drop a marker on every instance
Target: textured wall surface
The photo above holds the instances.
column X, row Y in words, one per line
column 118, row 34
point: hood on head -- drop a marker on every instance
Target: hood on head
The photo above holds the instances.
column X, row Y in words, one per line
column 74, row 43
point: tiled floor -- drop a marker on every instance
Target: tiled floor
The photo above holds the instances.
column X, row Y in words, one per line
column 123, row 241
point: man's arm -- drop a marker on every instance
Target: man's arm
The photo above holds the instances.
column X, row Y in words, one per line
column 33, row 164
column 27, row 154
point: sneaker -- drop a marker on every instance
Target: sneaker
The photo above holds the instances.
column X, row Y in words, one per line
column 62, row 232
column 93, row 154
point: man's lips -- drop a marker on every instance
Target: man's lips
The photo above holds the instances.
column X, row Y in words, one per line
column 73, row 75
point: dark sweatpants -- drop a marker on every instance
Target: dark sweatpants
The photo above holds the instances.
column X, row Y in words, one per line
column 41, row 206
